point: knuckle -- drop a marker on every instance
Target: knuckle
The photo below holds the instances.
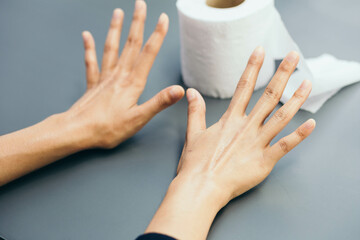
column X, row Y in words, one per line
column 89, row 62
column 134, row 41
column 88, row 46
column 164, row 101
column 284, row 145
column 272, row 94
column 150, row 49
column 161, row 30
column 114, row 25
column 299, row 94
column 110, row 48
column 300, row 133
column 124, row 73
column 124, row 79
column 138, row 17
column 243, row 83
column 281, row 115
column 286, row 66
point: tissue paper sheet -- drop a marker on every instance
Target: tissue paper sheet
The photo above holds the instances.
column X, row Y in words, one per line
column 217, row 42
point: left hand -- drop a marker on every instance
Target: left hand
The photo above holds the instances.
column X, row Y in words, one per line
column 107, row 114
column 109, row 107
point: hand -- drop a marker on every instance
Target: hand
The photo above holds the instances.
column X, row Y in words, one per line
column 109, row 107
column 235, row 153
column 232, row 156
column 108, row 112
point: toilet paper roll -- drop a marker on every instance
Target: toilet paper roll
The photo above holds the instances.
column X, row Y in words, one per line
column 217, row 42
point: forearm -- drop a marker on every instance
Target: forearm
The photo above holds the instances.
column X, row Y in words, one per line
column 31, row 148
column 187, row 210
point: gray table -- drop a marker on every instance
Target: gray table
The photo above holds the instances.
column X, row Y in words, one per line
column 313, row 193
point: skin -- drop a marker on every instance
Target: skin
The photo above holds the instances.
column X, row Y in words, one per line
column 232, row 156
column 218, row 163
column 108, row 113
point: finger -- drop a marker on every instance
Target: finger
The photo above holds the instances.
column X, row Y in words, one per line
column 92, row 68
column 247, row 82
column 161, row 101
column 286, row 144
column 111, row 49
column 135, row 39
column 275, row 89
column 196, row 112
column 150, row 51
column 283, row 116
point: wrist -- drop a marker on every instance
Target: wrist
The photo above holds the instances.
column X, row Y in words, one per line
column 188, row 209
column 79, row 135
column 199, row 188
column 92, row 132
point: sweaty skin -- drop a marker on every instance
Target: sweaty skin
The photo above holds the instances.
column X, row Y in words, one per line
column 108, row 113
column 232, row 156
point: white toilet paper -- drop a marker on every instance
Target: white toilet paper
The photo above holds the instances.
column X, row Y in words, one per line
column 217, row 42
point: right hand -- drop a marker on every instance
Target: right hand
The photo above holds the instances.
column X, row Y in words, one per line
column 235, row 155
column 232, row 156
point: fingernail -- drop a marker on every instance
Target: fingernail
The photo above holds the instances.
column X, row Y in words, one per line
column 162, row 18
column 139, row 4
column 305, row 84
column 190, row 94
column 259, row 51
column 292, row 56
column 117, row 13
column 310, row 124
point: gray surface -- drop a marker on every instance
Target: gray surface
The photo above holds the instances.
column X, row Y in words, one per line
column 313, row 193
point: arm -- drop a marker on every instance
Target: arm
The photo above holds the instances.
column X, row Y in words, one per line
column 34, row 147
column 234, row 155
column 107, row 114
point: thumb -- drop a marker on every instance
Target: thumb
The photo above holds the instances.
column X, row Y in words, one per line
column 196, row 112
column 161, row 101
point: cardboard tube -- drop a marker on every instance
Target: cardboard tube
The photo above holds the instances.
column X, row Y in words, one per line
column 224, row 3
